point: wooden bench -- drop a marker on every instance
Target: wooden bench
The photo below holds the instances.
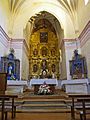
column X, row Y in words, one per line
column 78, row 97
column 2, row 107
column 11, row 107
column 85, row 107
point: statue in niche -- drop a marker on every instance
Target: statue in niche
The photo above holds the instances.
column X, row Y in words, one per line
column 76, row 55
column 53, row 52
column 35, row 52
column 35, row 68
column 43, row 74
column 44, row 64
column 44, row 51
column 53, row 68
column 10, row 68
column 78, row 66
column 10, row 65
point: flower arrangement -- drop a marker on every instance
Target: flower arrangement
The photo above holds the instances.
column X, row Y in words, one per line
column 44, row 89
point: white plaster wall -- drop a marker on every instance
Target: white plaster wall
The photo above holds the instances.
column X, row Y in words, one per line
column 86, row 52
column 3, row 18
column 17, row 46
column 63, row 74
column 70, row 46
column 20, row 53
column 25, row 65
column 4, row 43
column 85, row 46
column 83, row 14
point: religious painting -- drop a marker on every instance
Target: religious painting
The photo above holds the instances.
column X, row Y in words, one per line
column 53, row 52
column 35, row 68
column 43, row 37
column 78, row 66
column 35, row 52
column 44, row 51
column 44, row 64
column 53, row 68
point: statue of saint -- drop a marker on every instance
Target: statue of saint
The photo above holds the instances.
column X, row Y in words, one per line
column 44, row 64
column 78, row 66
column 76, row 55
column 10, row 69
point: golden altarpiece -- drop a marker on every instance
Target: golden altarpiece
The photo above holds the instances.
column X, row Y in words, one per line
column 44, row 54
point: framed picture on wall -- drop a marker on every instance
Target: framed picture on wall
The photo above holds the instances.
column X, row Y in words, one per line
column 43, row 37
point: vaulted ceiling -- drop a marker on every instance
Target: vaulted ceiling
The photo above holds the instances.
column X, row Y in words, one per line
column 26, row 10
column 69, row 6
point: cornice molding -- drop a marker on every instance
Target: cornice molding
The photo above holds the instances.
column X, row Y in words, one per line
column 85, row 31
column 69, row 40
column 66, row 40
column 4, row 33
column 4, row 39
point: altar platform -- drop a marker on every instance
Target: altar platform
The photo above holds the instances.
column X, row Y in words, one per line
column 76, row 86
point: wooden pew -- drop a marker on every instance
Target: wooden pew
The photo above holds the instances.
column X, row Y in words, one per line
column 3, row 111
column 12, row 97
column 85, row 107
column 73, row 97
column 13, row 107
column 3, row 85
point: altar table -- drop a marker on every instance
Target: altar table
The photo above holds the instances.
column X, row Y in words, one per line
column 37, row 82
column 77, row 86
column 16, row 86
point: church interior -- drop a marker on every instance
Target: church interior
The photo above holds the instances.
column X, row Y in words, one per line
column 44, row 59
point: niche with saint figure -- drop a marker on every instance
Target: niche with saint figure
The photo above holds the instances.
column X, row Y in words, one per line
column 10, row 65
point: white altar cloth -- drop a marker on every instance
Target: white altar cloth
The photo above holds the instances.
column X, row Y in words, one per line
column 16, row 82
column 77, row 86
column 41, row 81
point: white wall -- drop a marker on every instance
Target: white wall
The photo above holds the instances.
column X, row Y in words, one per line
column 83, row 14
column 3, row 18
column 63, row 72
column 20, row 51
column 70, row 46
column 25, row 64
column 4, row 43
column 85, row 45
